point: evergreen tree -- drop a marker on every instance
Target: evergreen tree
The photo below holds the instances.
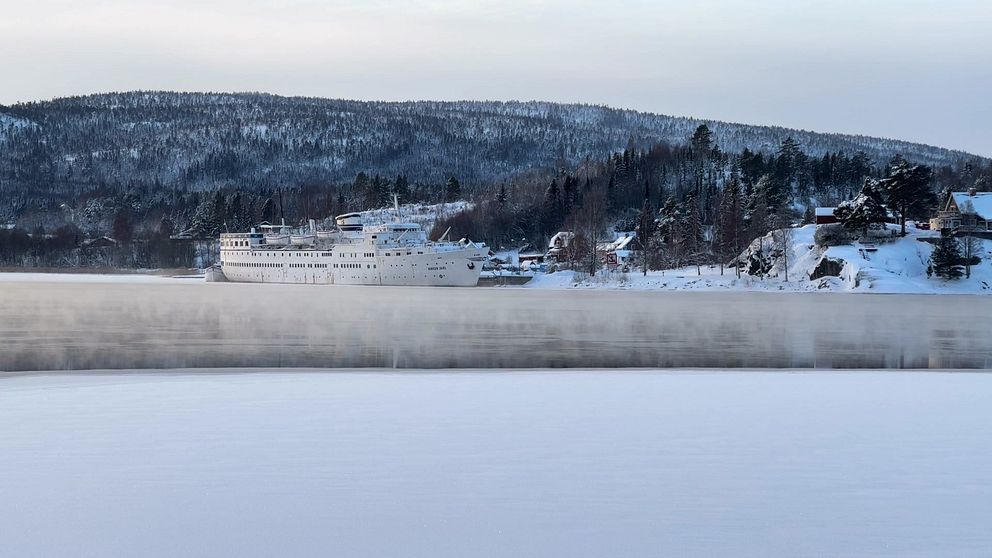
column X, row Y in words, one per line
column 452, row 190
column 758, row 222
column 501, row 196
column 569, row 194
column 165, row 227
column 123, row 226
column 791, row 161
column 701, row 141
column 761, row 204
column 551, row 208
column 359, row 190
column 402, row 188
column 376, row 193
column 646, row 227
column 946, row 258
column 672, row 227
column 907, row 190
column 730, row 222
column 611, row 192
column 208, row 221
column 692, row 230
column 163, row 244
column 864, row 211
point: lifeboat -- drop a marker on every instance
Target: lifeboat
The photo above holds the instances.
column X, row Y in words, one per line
column 277, row 239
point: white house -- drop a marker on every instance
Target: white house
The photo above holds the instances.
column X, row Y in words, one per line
column 620, row 251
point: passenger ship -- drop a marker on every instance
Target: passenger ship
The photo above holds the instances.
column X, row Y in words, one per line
column 351, row 254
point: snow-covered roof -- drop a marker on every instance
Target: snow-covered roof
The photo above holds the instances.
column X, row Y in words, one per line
column 623, row 243
column 564, row 236
column 619, row 243
column 825, row 211
column 981, row 203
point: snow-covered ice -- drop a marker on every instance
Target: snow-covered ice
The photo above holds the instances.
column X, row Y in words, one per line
column 590, row 463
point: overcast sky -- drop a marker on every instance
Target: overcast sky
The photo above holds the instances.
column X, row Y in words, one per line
column 918, row 70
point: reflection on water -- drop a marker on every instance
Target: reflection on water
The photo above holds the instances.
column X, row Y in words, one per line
column 54, row 326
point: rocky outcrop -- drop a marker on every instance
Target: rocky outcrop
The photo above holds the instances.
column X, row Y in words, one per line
column 827, row 267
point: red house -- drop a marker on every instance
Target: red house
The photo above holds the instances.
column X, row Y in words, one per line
column 825, row 215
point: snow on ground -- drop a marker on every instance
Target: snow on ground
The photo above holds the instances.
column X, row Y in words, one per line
column 899, row 266
column 476, row 463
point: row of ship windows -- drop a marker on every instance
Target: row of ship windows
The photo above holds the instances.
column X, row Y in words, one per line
column 297, row 265
column 272, row 265
column 312, row 254
column 257, row 254
column 372, row 254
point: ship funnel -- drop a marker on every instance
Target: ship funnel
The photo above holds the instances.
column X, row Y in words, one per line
column 349, row 222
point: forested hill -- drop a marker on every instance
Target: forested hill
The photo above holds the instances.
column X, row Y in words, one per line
column 200, row 141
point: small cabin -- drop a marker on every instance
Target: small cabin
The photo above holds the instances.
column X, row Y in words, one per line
column 825, row 216
column 558, row 246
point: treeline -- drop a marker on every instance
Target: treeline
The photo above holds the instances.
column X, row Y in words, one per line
column 56, row 152
column 67, row 246
column 146, row 227
column 141, row 167
column 696, row 203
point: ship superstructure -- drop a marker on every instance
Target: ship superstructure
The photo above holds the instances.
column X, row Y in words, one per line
column 350, row 254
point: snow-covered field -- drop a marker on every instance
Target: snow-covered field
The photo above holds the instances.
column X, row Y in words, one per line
column 475, row 463
column 899, row 266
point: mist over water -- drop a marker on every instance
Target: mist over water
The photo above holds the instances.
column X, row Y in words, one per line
column 76, row 326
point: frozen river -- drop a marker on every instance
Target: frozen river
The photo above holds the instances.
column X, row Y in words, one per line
column 88, row 325
column 480, row 464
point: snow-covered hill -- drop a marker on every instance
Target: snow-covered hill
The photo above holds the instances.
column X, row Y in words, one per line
column 896, row 266
column 209, row 139
column 10, row 123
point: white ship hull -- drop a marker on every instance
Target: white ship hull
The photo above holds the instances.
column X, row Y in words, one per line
column 460, row 268
column 389, row 254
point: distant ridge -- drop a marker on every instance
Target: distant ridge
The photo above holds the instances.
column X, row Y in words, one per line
column 201, row 139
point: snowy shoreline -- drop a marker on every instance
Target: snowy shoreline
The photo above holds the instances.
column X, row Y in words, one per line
column 889, row 265
column 684, row 280
column 111, row 373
